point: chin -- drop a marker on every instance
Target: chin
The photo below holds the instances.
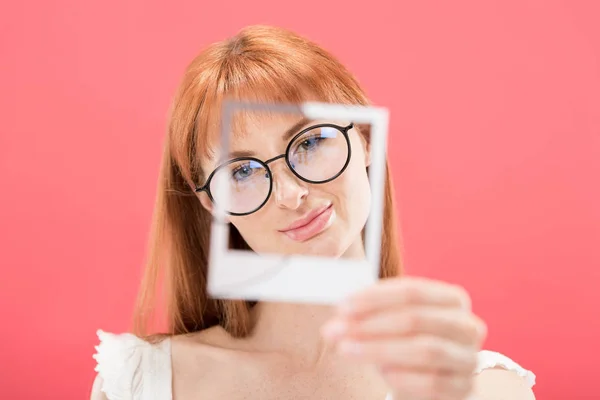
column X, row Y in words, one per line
column 327, row 252
column 313, row 250
column 330, row 244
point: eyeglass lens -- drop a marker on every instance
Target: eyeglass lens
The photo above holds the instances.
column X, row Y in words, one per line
column 316, row 156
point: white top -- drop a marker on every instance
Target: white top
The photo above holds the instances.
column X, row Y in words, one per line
column 133, row 369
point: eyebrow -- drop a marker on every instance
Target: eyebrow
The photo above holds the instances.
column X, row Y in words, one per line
column 294, row 129
column 287, row 135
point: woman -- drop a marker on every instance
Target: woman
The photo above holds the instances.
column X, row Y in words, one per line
column 403, row 338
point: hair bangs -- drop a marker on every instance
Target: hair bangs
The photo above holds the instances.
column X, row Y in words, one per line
column 266, row 81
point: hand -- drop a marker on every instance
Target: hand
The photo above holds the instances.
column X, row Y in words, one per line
column 420, row 333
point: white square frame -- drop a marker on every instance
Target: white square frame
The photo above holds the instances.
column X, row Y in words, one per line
column 298, row 278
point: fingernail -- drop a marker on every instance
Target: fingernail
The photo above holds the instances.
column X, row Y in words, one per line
column 334, row 328
column 349, row 347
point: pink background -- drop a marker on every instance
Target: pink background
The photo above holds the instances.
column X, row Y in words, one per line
column 495, row 146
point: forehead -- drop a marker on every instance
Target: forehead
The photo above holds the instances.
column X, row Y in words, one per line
column 252, row 132
column 249, row 125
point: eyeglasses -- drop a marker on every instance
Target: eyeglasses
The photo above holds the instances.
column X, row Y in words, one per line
column 318, row 154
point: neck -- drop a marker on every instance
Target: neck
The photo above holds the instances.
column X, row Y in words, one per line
column 291, row 328
column 295, row 328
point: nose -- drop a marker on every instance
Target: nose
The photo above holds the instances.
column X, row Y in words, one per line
column 288, row 190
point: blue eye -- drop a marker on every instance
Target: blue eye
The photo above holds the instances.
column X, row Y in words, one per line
column 246, row 170
column 242, row 172
column 310, row 143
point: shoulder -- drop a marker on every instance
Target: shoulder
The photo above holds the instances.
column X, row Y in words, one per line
column 208, row 350
column 500, row 377
column 215, row 364
column 122, row 361
column 487, row 359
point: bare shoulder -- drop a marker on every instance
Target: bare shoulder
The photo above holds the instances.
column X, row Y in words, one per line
column 500, row 377
column 205, row 349
column 500, row 384
column 97, row 393
column 212, row 362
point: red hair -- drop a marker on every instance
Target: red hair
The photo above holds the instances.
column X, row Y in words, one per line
column 259, row 63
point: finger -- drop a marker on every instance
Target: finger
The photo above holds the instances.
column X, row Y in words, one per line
column 420, row 385
column 406, row 291
column 427, row 353
column 451, row 324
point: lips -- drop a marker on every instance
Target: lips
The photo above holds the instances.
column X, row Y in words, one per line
column 310, row 225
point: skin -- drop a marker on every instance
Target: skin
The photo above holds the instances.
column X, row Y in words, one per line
column 292, row 198
column 417, row 338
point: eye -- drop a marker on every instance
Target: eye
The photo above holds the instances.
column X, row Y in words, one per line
column 242, row 172
column 310, row 142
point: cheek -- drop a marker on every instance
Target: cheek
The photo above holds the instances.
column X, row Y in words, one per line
column 246, row 227
column 361, row 194
column 356, row 172
column 354, row 188
column 254, row 229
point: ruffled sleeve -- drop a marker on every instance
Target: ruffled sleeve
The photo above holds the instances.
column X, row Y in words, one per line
column 133, row 369
column 487, row 359
column 119, row 364
column 490, row 359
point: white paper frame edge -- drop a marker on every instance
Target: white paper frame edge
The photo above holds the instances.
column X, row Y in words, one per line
column 302, row 278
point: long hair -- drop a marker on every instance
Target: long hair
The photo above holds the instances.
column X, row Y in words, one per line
column 262, row 63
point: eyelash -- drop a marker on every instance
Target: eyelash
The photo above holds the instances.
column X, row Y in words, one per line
column 239, row 168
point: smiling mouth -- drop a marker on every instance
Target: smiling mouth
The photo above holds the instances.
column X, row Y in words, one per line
column 311, row 225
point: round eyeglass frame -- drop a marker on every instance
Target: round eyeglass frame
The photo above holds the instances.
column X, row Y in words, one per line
column 343, row 129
